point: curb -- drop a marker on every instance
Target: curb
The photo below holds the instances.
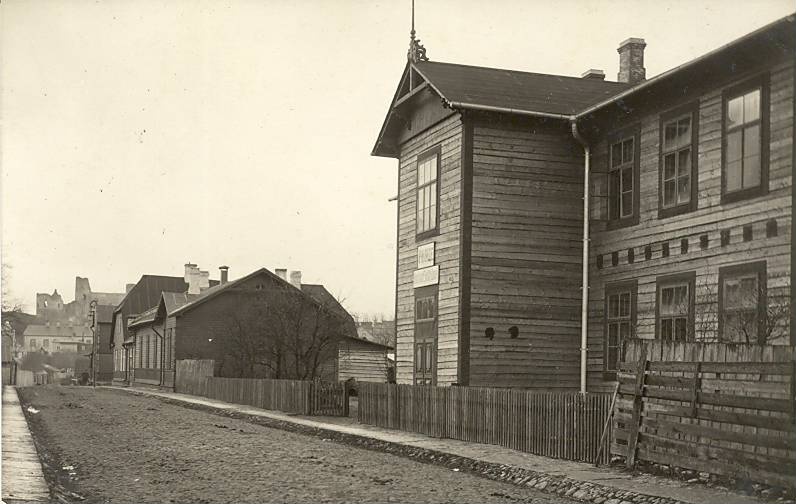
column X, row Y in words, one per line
column 553, row 484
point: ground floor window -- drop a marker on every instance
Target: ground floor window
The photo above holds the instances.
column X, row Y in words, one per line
column 425, row 354
column 742, row 302
column 675, row 307
column 620, row 321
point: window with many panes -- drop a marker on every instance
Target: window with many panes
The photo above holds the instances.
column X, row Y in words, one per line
column 676, row 307
column 623, row 154
column 620, row 317
column 678, row 173
column 425, row 334
column 745, row 170
column 742, row 302
column 428, row 192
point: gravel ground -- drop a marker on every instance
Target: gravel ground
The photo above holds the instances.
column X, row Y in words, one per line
column 125, row 448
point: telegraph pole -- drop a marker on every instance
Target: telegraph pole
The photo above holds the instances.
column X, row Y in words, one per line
column 93, row 312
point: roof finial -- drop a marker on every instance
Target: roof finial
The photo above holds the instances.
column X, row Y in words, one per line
column 416, row 50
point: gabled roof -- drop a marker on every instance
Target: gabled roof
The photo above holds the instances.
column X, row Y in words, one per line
column 466, row 86
column 214, row 291
column 463, row 87
column 149, row 288
column 483, row 88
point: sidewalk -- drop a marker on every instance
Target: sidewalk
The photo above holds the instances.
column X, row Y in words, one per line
column 22, row 480
column 582, row 481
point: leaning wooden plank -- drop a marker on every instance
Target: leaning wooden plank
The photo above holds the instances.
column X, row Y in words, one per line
column 641, row 372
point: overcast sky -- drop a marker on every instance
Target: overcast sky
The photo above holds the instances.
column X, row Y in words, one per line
column 139, row 135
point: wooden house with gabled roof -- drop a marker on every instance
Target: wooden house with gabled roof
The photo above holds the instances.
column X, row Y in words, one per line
column 543, row 219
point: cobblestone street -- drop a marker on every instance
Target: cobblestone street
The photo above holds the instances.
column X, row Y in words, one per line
column 123, row 448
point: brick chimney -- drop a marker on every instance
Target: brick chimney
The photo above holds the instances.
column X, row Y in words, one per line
column 192, row 278
column 224, row 274
column 631, row 61
column 281, row 273
column 593, row 74
column 295, row 279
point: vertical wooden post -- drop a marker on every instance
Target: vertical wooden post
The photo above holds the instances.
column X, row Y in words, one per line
column 638, row 392
column 695, row 390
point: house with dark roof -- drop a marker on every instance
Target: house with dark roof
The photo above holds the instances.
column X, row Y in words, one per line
column 543, row 220
column 142, row 296
column 259, row 325
column 101, row 325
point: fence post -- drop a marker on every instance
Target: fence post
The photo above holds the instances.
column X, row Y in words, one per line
column 696, row 386
column 638, row 392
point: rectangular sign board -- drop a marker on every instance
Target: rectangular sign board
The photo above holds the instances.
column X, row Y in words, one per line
column 425, row 255
column 426, row 276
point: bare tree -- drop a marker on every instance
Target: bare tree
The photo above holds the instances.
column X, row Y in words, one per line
column 761, row 326
column 283, row 333
column 8, row 304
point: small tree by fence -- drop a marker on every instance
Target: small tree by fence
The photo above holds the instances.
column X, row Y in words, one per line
column 561, row 425
column 301, row 397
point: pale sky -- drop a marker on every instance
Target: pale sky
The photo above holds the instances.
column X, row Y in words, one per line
column 140, row 135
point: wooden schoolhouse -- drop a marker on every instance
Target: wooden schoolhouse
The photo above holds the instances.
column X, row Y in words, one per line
column 545, row 220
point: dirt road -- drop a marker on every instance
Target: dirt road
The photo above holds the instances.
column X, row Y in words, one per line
column 125, row 448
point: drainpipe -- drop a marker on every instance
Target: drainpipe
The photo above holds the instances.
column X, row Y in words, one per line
column 162, row 344
column 584, row 309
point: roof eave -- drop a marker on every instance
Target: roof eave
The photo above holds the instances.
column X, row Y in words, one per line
column 689, row 64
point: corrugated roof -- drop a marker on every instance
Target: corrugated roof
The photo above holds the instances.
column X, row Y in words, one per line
column 515, row 90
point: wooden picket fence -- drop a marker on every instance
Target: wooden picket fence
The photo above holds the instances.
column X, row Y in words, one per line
column 727, row 409
column 562, row 425
column 291, row 396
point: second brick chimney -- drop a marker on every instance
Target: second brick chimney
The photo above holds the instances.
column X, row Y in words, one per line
column 631, row 61
column 295, row 279
column 224, row 274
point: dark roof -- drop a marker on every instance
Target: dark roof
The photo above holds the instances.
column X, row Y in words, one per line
column 325, row 298
column 148, row 289
column 219, row 288
column 464, row 85
column 774, row 40
column 105, row 314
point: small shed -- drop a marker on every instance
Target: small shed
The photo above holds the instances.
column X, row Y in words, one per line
column 362, row 360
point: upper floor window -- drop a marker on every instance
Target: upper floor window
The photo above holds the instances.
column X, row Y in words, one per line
column 678, row 172
column 623, row 165
column 620, row 320
column 676, row 307
column 742, row 302
column 745, row 160
column 428, row 192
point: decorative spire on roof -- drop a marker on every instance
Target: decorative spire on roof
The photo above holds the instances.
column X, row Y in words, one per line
column 416, row 50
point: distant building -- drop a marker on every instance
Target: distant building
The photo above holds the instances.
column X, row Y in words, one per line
column 251, row 327
column 102, row 323
column 51, row 307
column 142, row 296
column 57, row 338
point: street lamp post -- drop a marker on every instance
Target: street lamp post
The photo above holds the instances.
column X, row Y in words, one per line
column 93, row 312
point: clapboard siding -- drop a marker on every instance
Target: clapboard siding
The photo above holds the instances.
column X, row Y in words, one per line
column 448, row 135
column 710, row 218
column 525, row 262
column 362, row 361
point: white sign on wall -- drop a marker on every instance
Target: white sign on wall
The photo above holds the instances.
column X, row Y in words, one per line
column 425, row 255
column 426, row 276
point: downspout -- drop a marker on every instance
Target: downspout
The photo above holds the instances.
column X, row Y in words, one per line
column 162, row 343
column 584, row 309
